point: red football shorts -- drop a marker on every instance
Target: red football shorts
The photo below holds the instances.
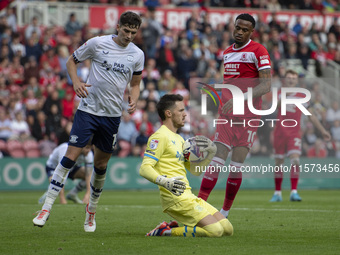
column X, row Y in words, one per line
column 236, row 131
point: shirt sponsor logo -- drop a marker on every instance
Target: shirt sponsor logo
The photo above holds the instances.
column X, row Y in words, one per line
column 153, row 144
column 264, row 57
column 264, row 61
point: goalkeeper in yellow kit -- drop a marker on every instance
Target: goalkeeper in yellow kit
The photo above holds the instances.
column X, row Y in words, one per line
column 164, row 165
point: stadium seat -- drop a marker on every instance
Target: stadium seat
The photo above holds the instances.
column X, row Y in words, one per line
column 15, row 149
column 31, row 149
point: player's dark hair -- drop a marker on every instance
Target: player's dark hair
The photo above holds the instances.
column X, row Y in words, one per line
column 247, row 17
column 166, row 103
column 130, row 19
column 290, row 71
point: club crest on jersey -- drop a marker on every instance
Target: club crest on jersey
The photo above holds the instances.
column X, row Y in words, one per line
column 73, row 139
column 244, row 57
column 153, row 144
column 130, row 58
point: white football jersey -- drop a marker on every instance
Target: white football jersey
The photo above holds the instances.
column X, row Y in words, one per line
column 112, row 67
column 59, row 152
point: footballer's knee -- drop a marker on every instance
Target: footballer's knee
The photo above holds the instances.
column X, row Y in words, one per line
column 228, row 229
column 214, row 230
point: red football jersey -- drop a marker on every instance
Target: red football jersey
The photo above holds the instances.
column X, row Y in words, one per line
column 293, row 113
column 241, row 68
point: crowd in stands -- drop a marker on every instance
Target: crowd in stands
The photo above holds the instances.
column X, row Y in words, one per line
column 37, row 101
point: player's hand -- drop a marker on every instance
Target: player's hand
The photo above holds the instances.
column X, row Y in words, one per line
column 132, row 106
column 206, row 143
column 326, row 136
column 174, row 185
column 227, row 107
column 81, row 89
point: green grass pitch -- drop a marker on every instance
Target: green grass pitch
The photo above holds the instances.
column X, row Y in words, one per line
column 123, row 217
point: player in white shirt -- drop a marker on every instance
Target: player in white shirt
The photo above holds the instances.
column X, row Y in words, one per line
column 115, row 62
column 81, row 170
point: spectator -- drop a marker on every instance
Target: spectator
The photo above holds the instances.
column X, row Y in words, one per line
column 51, row 58
column 11, row 19
column 153, row 116
column 150, row 92
column 20, row 128
column 72, row 25
column 335, row 130
column 38, row 129
column 166, row 83
column 33, row 27
column 5, row 125
column 151, row 32
column 31, row 69
column 333, row 113
column 126, row 133
column 53, row 121
column 68, row 104
column 33, row 48
column 17, row 48
column 318, row 150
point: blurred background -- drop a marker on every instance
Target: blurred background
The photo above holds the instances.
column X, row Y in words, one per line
column 182, row 41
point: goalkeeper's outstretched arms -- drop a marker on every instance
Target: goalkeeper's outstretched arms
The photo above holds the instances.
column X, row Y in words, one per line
column 174, row 185
column 206, row 145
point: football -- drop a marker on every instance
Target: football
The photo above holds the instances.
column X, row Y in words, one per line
column 192, row 152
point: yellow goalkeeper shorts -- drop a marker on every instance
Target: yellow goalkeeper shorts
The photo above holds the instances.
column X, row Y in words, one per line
column 191, row 210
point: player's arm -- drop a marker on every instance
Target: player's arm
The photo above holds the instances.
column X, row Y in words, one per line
column 79, row 87
column 265, row 83
column 325, row 134
column 134, row 91
column 155, row 149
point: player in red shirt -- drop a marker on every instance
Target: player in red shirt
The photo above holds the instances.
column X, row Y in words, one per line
column 246, row 64
column 287, row 140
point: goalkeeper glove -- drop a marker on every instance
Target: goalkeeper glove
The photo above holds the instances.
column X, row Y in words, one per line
column 173, row 184
column 206, row 145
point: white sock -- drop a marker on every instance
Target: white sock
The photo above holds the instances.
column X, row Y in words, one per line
column 224, row 213
column 294, row 191
column 278, row 192
column 57, row 183
column 97, row 184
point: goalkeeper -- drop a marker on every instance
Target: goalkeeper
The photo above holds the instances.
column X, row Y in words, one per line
column 164, row 165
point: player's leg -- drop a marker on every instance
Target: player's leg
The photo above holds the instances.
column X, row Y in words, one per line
column 198, row 218
column 104, row 141
column 235, row 178
column 77, row 173
column 97, row 183
column 79, row 137
column 211, row 175
column 49, row 173
column 278, row 177
column 294, row 176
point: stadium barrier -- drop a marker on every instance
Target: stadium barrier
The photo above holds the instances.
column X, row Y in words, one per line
column 123, row 173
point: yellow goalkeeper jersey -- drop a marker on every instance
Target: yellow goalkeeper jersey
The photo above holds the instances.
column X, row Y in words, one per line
column 164, row 152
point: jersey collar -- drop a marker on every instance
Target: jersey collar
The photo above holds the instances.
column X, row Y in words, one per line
column 242, row 46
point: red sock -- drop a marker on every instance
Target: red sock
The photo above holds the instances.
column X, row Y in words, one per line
column 210, row 178
column 278, row 176
column 233, row 185
column 294, row 176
